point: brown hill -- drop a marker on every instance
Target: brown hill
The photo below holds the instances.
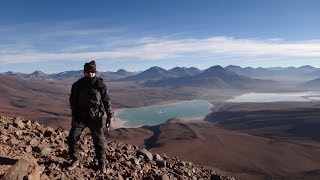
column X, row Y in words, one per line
column 245, row 156
column 282, row 120
column 45, row 101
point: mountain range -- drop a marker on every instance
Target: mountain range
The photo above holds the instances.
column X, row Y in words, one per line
column 229, row 77
column 213, row 77
column 298, row 74
column 158, row 73
column 39, row 75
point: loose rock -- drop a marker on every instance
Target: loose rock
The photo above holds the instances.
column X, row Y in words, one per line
column 49, row 149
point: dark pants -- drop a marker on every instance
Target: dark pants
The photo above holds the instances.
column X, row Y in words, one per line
column 96, row 129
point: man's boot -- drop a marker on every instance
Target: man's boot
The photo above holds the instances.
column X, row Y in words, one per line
column 74, row 163
column 102, row 168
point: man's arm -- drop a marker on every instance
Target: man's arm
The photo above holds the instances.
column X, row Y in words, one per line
column 106, row 101
column 73, row 100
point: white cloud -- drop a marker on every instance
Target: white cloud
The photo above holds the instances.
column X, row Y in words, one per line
column 157, row 49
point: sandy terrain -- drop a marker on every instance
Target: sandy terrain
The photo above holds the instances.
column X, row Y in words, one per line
column 282, row 120
column 230, row 152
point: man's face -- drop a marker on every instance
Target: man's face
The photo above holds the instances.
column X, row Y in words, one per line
column 90, row 74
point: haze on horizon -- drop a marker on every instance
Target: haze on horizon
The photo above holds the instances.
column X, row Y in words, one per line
column 59, row 36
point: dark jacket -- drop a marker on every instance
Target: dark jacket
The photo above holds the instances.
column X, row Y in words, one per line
column 84, row 84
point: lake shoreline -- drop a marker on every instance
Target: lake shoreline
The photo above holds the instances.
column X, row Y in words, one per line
column 157, row 114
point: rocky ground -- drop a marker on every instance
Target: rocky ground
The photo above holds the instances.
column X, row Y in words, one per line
column 24, row 142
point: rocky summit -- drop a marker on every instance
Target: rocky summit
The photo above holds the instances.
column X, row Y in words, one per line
column 28, row 150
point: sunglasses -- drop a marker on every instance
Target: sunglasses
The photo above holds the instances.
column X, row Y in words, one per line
column 92, row 71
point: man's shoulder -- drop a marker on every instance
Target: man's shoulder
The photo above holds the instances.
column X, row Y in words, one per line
column 78, row 82
column 100, row 82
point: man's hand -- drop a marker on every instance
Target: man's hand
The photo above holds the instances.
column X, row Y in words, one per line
column 108, row 122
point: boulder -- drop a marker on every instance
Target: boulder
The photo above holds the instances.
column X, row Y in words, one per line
column 25, row 168
column 18, row 123
column 147, row 154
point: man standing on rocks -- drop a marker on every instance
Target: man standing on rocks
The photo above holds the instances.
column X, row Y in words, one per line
column 91, row 107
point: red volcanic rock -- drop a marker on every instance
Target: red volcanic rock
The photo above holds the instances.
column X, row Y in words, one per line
column 47, row 147
column 26, row 168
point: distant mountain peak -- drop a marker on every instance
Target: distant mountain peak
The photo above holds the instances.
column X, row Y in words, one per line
column 307, row 66
column 157, row 68
column 122, row 72
column 152, row 73
column 216, row 68
column 10, row 73
column 38, row 72
column 232, row 66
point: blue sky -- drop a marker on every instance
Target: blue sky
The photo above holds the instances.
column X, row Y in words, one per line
column 55, row 36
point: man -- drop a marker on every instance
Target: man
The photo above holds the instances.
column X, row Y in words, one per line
column 90, row 106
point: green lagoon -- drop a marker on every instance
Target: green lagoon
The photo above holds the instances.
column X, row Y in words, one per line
column 153, row 115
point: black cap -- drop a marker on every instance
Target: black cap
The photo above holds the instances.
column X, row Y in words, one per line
column 91, row 66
